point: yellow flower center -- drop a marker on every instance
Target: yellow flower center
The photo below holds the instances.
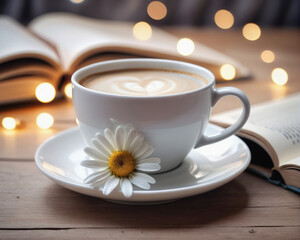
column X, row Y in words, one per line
column 121, row 163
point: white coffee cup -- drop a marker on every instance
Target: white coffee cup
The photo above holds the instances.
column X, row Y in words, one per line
column 174, row 124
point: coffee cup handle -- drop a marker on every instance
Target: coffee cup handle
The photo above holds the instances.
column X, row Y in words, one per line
column 216, row 96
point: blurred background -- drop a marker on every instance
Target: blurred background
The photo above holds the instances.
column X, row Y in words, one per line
column 279, row 19
column 248, row 15
column 266, row 13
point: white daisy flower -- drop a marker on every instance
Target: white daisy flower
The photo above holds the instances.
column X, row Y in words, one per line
column 119, row 155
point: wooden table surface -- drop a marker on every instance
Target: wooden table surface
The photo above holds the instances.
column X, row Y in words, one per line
column 33, row 207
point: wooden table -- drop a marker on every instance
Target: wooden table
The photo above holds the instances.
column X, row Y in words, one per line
column 33, row 207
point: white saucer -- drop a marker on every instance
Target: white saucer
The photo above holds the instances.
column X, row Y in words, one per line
column 204, row 169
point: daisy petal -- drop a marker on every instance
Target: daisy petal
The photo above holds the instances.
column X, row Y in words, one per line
column 110, row 137
column 139, row 181
column 101, row 180
column 149, row 160
column 94, row 154
column 145, row 177
column 95, row 176
column 131, row 136
column 141, row 150
column 100, row 147
column 126, row 187
column 115, row 124
column 148, row 167
column 94, row 164
column 110, row 184
column 146, row 154
column 120, row 137
column 136, row 143
column 105, row 143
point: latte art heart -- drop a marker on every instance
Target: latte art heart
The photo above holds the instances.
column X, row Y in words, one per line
column 143, row 85
column 143, row 82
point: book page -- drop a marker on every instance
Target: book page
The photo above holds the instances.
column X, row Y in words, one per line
column 17, row 42
column 26, row 67
column 293, row 161
column 78, row 37
column 23, row 89
column 278, row 122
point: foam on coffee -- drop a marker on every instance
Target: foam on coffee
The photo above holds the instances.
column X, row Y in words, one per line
column 144, row 82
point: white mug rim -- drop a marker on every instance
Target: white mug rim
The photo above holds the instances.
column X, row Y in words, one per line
column 85, row 72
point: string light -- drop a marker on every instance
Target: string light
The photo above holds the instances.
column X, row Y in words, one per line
column 279, row 76
column 68, row 90
column 267, row 56
column 185, row 46
column 157, row 10
column 142, row 31
column 224, row 19
column 44, row 120
column 227, row 71
column 10, row 123
column 45, row 92
column 251, row 31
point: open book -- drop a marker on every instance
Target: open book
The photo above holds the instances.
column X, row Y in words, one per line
column 273, row 136
column 54, row 45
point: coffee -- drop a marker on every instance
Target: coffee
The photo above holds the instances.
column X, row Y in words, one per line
column 173, row 124
column 144, row 82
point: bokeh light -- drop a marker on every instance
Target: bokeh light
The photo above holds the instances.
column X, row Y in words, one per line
column 68, row 90
column 142, row 31
column 9, row 123
column 279, row 76
column 227, row 71
column 224, row 19
column 44, row 120
column 267, row 56
column 185, row 46
column 45, row 92
column 77, row 1
column 157, row 10
column 251, row 31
